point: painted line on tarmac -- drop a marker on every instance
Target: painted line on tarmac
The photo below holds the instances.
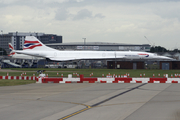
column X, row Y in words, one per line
column 75, row 113
column 95, row 105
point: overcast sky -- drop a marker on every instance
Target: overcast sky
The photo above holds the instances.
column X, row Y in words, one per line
column 115, row 21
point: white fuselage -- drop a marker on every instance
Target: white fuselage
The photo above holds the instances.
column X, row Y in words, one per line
column 57, row 55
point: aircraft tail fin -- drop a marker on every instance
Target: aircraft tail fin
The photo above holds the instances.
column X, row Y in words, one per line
column 11, row 48
column 32, row 43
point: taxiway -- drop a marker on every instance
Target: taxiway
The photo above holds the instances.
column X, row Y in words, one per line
column 94, row 101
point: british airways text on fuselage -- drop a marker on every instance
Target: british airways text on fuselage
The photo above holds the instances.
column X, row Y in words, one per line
column 146, row 55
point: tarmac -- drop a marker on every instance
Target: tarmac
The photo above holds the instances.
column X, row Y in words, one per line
column 90, row 101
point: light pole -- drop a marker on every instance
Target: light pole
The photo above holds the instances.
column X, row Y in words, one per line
column 84, row 42
column 2, row 40
column 2, row 49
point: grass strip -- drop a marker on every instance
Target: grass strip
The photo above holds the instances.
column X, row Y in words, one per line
column 15, row 82
column 86, row 72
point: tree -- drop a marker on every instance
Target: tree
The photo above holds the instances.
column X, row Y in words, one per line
column 3, row 53
column 158, row 49
column 175, row 50
column 162, row 49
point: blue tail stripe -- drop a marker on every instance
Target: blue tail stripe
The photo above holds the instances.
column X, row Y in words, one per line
column 29, row 44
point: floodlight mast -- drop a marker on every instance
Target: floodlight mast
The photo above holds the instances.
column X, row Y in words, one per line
column 84, row 42
column 149, row 41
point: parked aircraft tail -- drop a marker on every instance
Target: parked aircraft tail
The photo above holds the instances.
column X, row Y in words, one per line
column 32, row 43
column 11, row 48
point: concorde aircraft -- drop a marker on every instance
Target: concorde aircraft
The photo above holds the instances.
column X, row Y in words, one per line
column 34, row 47
column 21, row 56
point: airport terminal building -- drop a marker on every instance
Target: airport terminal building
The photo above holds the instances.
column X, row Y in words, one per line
column 17, row 39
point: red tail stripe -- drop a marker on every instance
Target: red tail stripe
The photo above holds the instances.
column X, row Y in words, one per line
column 11, row 54
column 11, row 47
column 26, row 41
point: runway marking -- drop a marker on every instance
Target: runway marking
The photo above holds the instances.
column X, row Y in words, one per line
column 97, row 104
column 75, row 113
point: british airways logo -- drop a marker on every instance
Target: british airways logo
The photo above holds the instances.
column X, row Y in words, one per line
column 31, row 44
column 146, row 55
column 11, row 48
column 11, row 54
